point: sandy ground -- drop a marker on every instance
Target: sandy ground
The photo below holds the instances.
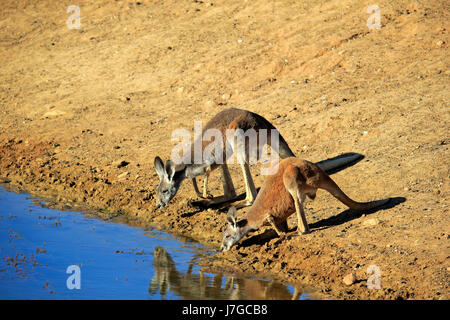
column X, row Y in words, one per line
column 76, row 103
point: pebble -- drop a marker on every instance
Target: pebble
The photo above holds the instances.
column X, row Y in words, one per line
column 123, row 175
column 53, row 113
column 349, row 279
column 371, row 222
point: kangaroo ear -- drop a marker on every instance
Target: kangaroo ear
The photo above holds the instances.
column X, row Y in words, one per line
column 232, row 217
column 170, row 169
column 159, row 167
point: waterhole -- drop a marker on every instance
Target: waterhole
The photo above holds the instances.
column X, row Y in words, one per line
column 51, row 254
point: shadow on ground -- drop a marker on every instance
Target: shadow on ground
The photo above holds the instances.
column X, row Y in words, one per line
column 336, row 220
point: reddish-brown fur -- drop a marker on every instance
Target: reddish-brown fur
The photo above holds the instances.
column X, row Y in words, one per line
column 284, row 193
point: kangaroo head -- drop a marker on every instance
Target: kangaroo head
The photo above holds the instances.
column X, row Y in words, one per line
column 235, row 230
column 169, row 181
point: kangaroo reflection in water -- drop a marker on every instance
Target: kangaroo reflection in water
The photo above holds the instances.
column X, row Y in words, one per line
column 200, row 286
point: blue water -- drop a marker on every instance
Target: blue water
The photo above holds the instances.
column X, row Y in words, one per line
column 115, row 261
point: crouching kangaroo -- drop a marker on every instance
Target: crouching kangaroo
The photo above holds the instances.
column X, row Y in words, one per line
column 281, row 195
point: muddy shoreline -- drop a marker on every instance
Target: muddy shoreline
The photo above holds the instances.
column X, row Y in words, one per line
column 83, row 113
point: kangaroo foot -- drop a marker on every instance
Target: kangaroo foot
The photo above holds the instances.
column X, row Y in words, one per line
column 301, row 233
column 243, row 204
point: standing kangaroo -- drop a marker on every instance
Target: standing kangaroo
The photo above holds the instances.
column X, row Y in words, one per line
column 171, row 175
column 284, row 193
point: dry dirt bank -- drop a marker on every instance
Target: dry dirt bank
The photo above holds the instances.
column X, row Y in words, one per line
column 84, row 113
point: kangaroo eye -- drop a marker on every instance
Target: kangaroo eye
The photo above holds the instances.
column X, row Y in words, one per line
column 166, row 191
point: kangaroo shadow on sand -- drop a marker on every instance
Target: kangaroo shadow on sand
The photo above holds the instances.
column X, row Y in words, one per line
column 358, row 158
column 336, row 220
column 200, row 205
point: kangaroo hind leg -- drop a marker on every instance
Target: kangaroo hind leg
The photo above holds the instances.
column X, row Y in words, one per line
column 293, row 183
column 250, row 190
column 214, row 202
column 299, row 199
column 228, row 188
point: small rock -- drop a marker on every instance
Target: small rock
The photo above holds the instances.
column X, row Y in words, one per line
column 123, row 175
column 53, row 113
column 440, row 43
column 239, row 41
column 180, row 90
column 349, row 279
column 371, row 222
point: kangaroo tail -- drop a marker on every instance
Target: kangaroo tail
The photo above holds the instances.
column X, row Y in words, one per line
column 334, row 189
column 339, row 161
